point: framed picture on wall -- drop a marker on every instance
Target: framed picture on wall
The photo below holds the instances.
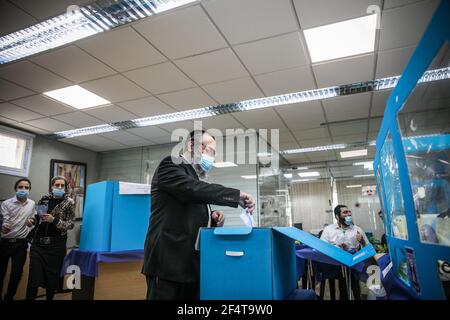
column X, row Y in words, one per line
column 75, row 174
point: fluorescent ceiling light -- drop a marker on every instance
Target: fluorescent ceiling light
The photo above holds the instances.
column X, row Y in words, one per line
column 304, row 180
column 288, row 175
column 367, row 164
column 77, row 97
column 249, row 177
column 355, row 186
column 282, row 190
column 318, row 148
column 302, row 168
column 273, row 101
column 308, row 174
column 353, row 153
column 363, row 175
column 82, row 22
column 225, row 164
column 342, row 39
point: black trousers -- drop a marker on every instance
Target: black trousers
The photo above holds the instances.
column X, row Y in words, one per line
column 17, row 252
column 160, row 289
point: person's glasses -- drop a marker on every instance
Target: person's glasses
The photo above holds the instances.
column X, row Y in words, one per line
column 23, row 187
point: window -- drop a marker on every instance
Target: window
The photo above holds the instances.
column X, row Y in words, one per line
column 15, row 151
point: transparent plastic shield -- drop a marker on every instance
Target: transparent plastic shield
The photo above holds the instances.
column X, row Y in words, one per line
column 394, row 200
column 424, row 122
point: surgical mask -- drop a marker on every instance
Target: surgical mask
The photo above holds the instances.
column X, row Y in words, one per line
column 348, row 220
column 22, row 194
column 206, row 162
column 58, row 193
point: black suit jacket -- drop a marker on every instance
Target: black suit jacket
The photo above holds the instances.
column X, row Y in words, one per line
column 179, row 209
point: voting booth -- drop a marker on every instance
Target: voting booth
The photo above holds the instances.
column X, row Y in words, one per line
column 258, row 263
column 116, row 217
column 412, row 165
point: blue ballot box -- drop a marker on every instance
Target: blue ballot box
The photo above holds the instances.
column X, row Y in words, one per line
column 113, row 221
column 258, row 263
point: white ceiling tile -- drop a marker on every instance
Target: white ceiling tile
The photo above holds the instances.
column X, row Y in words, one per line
column 234, row 90
column 337, row 72
column 182, row 33
column 379, row 102
column 308, row 143
column 32, row 76
column 354, row 127
column 116, row 88
column 296, row 158
column 287, row 136
column 111, row 113
column 261, row 119
column 100, row 143
column 32, row 129
column 49, row 124
column 278, row 53
column 8, row 121
column 286, row 145
column 221, row 122
column 9, row 90
column 44, row 9
column 73, row 63
column 122, row 49
column 149, row 133
column 162, row 140
column 212, row 67
column 351, row 138
column 302, row 116
column 79, row 119
column 404, row 26
column 353, row 106
column 161, row 78
column 322, row 12
column 242, row 21
column 170, row 127
column 75, row 142
column 187, row 99
column 13, row 19
column 146, row 107
column 286, row 81
column 17, row 113
column 310, row 134
column 43, row 105
column 392, row 62
column 322, row 156
column 125, row 138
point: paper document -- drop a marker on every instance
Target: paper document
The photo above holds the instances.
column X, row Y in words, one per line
column 247, row 218
column 133, row 188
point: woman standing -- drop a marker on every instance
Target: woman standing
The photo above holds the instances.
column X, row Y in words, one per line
column 56, row 214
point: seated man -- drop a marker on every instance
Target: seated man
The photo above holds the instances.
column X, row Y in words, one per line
column 346, row 235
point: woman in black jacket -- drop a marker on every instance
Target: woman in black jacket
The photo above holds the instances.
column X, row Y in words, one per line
column 48, row 247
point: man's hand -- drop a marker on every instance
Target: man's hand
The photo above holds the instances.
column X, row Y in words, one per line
column 6, row 228
column 218, row 217
column 246, row 201
column 30, row 222
column 48, row 218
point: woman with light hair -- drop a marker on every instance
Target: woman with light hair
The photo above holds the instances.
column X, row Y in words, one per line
column 56, row 214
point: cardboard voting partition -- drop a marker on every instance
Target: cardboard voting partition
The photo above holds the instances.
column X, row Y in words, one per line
column 258, row 263
column 113, row 221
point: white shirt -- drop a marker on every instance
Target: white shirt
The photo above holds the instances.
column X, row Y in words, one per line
column 337, row 236
column 15, row 213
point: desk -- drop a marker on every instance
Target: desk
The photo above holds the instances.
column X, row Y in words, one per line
column 108, row 275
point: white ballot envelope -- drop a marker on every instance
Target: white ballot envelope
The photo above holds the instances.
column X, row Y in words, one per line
column 247, row 218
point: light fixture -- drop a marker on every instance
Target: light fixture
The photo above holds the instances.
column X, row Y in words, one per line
column 284, row 99
column 225, row 164
column 288, row 175
column 249, row 177
column 77, row 97
column 354, row 186
column 353, row 153
column 342, row 39
column 308, row 174
column 363, row 175
column 302, row 168
column 77, row 23
column 303, row 180
column 318, row 148
column 282, row 190
column 367, row 164
column 103, row 128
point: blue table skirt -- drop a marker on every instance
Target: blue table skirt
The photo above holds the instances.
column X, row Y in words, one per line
column 88, row 260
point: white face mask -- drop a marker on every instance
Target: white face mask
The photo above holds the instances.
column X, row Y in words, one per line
column 206, row 162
